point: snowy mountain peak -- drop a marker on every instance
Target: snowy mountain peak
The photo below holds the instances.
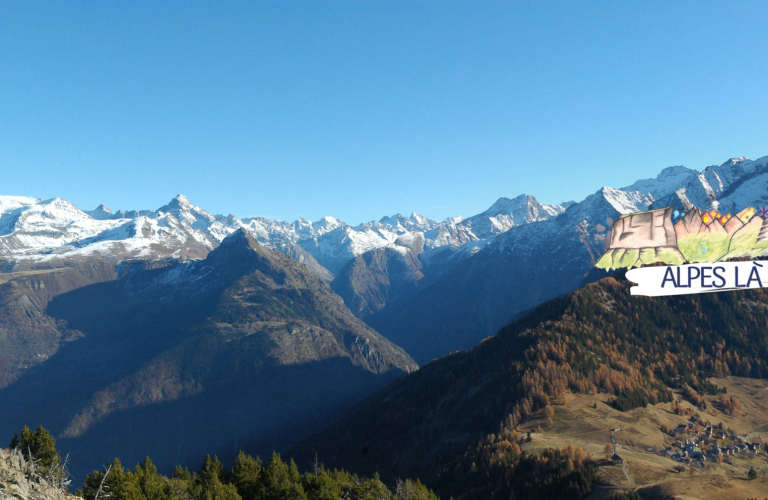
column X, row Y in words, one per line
column 419, row 219
column 673, row 170
column 326, row 225
column 734, row 161
column 328, row 221
column 102, row 212
column 180, row 201
column 667, row 182
column 506, row 205
column 391, row 220
column 34, row 230
column 626, row 201
column 506, row 213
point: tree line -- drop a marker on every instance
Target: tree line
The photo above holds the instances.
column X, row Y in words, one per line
column 249, row 478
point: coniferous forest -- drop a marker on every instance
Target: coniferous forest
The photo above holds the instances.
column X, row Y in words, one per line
column 504, row 472
column 248, row 478
column 599, row 339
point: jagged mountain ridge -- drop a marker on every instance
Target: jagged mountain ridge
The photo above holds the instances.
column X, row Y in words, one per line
column 529, row 264
column 247, row 337
column 36, row 232
column 737, row 183
column 518, row 270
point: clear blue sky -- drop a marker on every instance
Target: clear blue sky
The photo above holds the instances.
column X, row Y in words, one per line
column 361, row 109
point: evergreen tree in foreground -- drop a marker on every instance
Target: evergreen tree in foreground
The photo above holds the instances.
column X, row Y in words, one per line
column 38, row 447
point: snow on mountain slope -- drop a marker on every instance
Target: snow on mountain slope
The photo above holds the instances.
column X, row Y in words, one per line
column 505, row 213
column 102, row 212
column 736, row 184
column 434, row 242
column 626, row 202
column 34, row 231
column 46, row 225
column 532, row 263
column 667, row 182
column 8, row 203
column 207, row 229
column 46, row 231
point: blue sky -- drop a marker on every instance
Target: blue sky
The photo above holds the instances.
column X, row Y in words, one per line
column 361, row 109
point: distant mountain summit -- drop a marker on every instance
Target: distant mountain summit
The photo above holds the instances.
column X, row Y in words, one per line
column 506, row 213
column 248, row 339
column 444, row 284
column 737, row 183
column 47, row 233
column 102, row 212
column 531, row 263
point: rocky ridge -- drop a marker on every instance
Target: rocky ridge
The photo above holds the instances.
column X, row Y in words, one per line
column 21, row 480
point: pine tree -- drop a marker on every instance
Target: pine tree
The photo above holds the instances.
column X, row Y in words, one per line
column 115, row 483
column 150, row 482
column 282, row 481
column 752, row 474
column 371, row 489
column 247, row 476
column 211, row 486
column 322, row 485
column 38, row 446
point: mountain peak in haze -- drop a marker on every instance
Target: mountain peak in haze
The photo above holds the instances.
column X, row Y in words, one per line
column 102, row 212
column 178, row 202
column 507, row 205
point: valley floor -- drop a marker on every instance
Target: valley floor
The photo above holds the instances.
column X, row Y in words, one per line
column 579, row 423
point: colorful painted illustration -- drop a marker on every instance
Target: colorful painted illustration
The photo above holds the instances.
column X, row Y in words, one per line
column 651, row 237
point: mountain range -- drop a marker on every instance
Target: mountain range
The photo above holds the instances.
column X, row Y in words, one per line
column 272, row 329
column 246, row 348
column 529, row 264
column 37, row 233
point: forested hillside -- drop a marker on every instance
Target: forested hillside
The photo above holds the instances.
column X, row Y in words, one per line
column 453, row 423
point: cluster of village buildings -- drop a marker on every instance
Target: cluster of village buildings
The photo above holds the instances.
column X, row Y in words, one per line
column 701, row 444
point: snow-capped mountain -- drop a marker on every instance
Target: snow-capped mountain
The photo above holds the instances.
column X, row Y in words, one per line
column 531, row 263
column 506, row 213
column 737, row 183
column 35, row 231
column 50, row 231
column 519, row 269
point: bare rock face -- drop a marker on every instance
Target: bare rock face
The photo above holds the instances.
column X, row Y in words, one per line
column 19, row 480
column 644, row 230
